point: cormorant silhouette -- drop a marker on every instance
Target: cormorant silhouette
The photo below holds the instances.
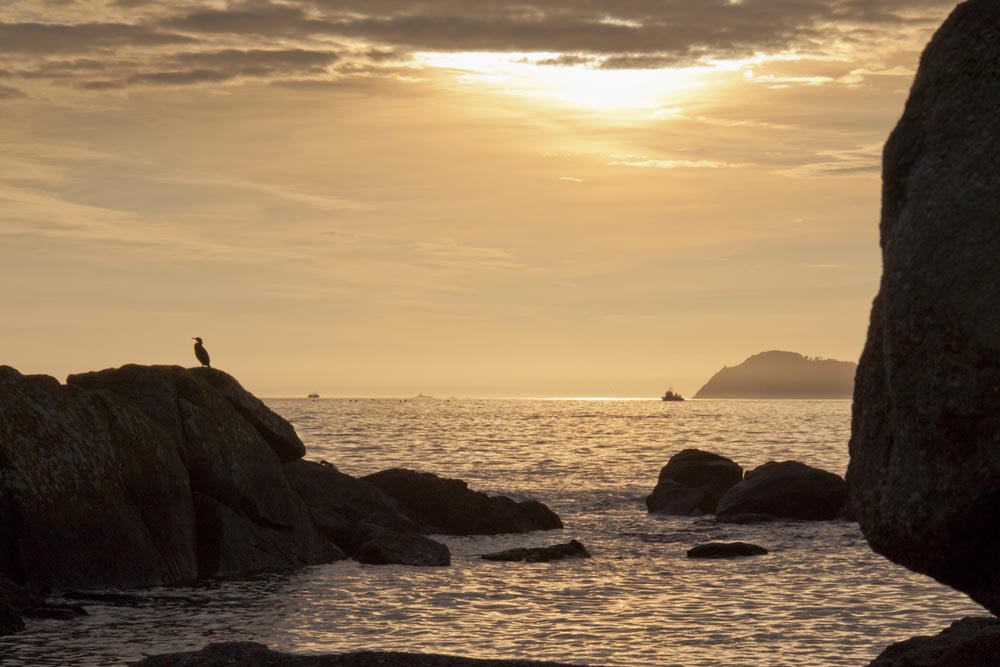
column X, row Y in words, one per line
column 201, row 353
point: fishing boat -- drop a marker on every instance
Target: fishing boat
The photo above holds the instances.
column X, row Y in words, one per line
column 313, row 395
column 671, row 395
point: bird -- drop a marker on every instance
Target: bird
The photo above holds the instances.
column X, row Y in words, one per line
column 201, row 353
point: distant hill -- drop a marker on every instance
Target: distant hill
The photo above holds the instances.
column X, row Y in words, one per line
column 777, row 374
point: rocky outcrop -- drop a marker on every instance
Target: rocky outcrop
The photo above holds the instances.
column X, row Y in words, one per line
column 788, row 489
column 726, row 550
column 692, row 483
column 970, row 642
column 924, row 475
column 229, row 654
column 778, row 374
column 145, row 475
column 91, row 493
column 449, row 507
column 232, row 446
column 571, row 549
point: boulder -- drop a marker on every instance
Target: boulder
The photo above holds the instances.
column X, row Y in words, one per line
column 692, row 483
column 449, row 507
column 228, row 654
column 338, row 503
column 924, row 474
column 10, row 620
column 970, row 642
column 232, row 446
column 571, row 549
column 726, row 550
column 788, row 489
column 91, row 492
column 376, row 545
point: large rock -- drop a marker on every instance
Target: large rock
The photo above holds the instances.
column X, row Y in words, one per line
column 232, row 446
column 338, row 503
column 571, row 549
column 91, row 493
column 726, row 550
column 786, row 489
column 230, row 654
column 449, row 507
column 970, row 642
column 376, row 545
column 692, row 483
column 924, row 474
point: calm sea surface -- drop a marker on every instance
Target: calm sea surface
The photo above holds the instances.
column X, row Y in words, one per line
column 821, row 597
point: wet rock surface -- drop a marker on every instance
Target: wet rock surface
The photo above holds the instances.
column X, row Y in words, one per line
column 726, row 550
column 786, row 489
column 924, row 474
column 571, row 549
column 692, row 482
column 970, row 642
column 232, row 654
column 377, row 545
column 449, row 507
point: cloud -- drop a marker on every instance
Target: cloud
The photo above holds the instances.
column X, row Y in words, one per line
column 49, row 38
column 9, row 93
column 642, row 163
column 862, row 160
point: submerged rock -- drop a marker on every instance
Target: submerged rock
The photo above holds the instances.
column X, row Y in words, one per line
column 924, row 474
column 571, row 549
column 692, row 483
column 449, row 507
column 726, row 550
column 970, row 642
column 788, row 489
column 229, row 654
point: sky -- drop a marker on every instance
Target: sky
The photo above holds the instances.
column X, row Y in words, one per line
column 511, row 198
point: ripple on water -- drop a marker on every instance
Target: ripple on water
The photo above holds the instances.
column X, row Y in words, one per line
column 821, row 597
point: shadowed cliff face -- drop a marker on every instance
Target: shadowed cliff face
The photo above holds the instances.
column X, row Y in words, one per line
column 924, row 476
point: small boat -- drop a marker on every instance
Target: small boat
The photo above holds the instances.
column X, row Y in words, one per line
column 671, row 395
column 313, row 396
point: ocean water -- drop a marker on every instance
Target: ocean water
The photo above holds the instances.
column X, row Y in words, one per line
column 821, row 597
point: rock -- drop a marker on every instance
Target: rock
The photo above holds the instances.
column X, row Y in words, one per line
column 970, row 642
column 924, row 474
column 726, row 550
column 91, row 493
column 572, row 549
column 248, row 517
column 778, row 374
column 10, row 620
column 338, row 503
column 448, row 507
column 377, row 545
column 229, row 654
column 59, row 612
column 692, row 483
column 788, row 489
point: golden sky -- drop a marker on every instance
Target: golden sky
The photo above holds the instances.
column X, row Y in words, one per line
column 489, row 198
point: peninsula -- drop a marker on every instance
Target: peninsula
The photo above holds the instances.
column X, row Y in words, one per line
column 777, row 374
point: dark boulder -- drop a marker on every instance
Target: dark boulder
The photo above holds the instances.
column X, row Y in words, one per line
column 970, row 642
column 571, row 549
column 376, row 545
column 91, row 493
column 726, row 550
column 692, row 483
column 338, row 503
column 232, row 447
column 10, row 620
column 449, row 507
column 230, row 654
column 788, row 489
column 924, row 474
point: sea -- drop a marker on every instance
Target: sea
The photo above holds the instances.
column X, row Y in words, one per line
column 820, row 597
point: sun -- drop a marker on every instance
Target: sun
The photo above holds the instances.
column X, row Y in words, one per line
column 583, row 85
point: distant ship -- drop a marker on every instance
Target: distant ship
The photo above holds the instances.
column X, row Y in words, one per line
column 313, row 396
column 670, row 395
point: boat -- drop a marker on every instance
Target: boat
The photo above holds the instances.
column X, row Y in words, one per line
column 313, row 396
column 671, row 395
